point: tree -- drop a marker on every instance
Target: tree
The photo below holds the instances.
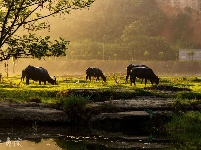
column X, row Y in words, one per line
column 29, row 14
column 191, row 54
column 161, row 55
column 146, row 54
column 181, row 29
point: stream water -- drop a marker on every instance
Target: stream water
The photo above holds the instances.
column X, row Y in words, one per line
column 82, row 143
column 80, row 138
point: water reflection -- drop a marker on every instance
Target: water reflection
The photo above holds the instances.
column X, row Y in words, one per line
column 82, row 143
column 44, row 144
column 80, row 138
column 105, row 143
column 98, row 141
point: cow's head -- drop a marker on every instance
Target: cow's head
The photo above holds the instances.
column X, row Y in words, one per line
column 156, row 80
column 104, row 78
column 53, row 81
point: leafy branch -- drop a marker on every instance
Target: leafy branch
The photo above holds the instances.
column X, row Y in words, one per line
column 15, row 14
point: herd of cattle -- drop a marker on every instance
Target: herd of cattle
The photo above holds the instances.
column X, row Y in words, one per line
column 134, row 71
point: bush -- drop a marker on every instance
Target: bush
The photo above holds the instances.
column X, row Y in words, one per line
column 189, row 95
column 186, row 122
column 75, row 107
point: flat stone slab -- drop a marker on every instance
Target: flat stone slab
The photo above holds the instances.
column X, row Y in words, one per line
column 131, row 115
column 124, row 114
column 144, row 107
column 31, row 112
column 142, row 102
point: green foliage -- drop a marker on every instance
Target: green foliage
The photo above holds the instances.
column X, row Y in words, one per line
column 189, row 95
column 180, row 105
column 75, row 107
column 133, row 30
column 188, row 122
column 127, row 29
column 85, row 50
column 141, row 92
column 28, row 14
column 141, row 27
column 140, row 33
column 181, row 30
column 36, row 47
column 196, row 79
column 185, row 128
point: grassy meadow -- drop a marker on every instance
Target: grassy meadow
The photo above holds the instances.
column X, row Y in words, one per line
column 14, row 90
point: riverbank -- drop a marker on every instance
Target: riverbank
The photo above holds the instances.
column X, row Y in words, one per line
column 106, row 106
column 130, row 112
column 135, row 108
column 32, row 111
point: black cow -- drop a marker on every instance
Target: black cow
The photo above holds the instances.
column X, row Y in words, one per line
column 94, row 72
column 130, row 67
column 37, row 74
column 143, row 73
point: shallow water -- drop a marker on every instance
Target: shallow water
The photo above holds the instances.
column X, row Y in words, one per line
column 76, row 138
column 50, row 144
column 44, row 144
column 102, row 141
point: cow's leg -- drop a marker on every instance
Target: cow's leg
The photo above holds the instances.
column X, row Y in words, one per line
column 27, row 81
column 45, row 82
column 39, row 82
column 142, row 81
column 90, row 78
column 134, row 81
column 131, row 80
column 127, row 77
column 97, row 78
column 145, row 81
column 151, row 81
column 86, row 77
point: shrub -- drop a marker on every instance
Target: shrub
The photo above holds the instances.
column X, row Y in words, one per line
column 186, row 122
column 75, row 107
column 189, row 95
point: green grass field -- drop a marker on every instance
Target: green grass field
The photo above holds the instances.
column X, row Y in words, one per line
column 14, row 90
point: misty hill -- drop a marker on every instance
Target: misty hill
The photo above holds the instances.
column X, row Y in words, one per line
column 194, row 22
column 109, row 17
column 129, row 29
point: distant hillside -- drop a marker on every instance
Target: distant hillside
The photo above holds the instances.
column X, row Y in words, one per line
column 128, row 30
column 195, row 23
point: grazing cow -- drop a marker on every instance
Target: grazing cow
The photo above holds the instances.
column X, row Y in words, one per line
column 37, row 74
column 95, row 72
column 130, row 67
column 143, row 73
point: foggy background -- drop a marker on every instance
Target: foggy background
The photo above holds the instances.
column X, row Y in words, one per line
column 61, row 67
column 100, row 28
column 127, row 30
